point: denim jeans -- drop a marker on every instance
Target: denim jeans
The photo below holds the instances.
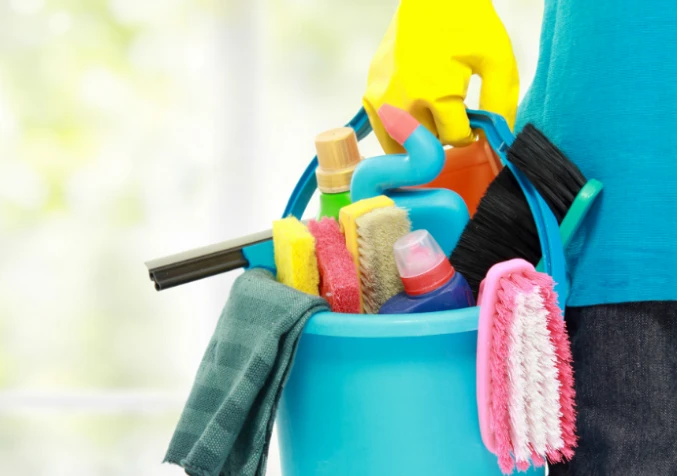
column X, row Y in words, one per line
column 625, row 364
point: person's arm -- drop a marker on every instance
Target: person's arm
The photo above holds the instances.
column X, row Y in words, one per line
column 425, row 61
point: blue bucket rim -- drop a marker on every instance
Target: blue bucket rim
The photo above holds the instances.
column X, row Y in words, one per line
column 333, row 324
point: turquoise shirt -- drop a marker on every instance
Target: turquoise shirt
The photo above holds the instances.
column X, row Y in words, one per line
column 605, row 92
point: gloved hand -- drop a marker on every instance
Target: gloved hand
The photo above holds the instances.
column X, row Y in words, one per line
column 424, row 64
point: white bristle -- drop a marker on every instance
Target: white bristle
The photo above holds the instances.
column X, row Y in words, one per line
column 518, row 387
column 548, row 369
column 530, row 307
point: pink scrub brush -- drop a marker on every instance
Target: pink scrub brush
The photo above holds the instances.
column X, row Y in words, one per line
column 338, row 275
column 525, row 380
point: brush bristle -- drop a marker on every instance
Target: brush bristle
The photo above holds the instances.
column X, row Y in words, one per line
column 377, row 233
column 555, row 177
column 560, row 339
column 294, row 249
column 338, row 275
column 542, row 384
column 512, row 300
column 532, row 394
column 501, row 349
column 501, row 229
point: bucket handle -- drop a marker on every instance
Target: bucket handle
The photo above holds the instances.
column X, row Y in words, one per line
column 500, row 139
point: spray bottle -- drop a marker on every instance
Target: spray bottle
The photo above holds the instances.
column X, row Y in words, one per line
column 430, row 281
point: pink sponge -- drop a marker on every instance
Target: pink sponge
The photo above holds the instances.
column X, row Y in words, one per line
column 338, row 275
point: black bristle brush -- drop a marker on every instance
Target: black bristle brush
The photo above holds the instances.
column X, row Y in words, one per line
column 503, row 228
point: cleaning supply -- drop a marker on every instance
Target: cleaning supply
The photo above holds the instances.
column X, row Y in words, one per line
column 525, row 385
column 411, row 359
column 442, row 219
column 430, row 282
column 339, row 283
column 442, row 212
column 503, row 227
column 337, row 156
column 424, row 365
column 295, row 257
column 227, row 422
column 450, row 41
column 371, row 228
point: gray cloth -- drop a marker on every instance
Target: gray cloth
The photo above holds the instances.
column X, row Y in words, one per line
column 625, row 367
column 226, row 425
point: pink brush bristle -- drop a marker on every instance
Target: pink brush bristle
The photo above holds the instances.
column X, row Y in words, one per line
column 500, row 384
column 555, row 456
column 509, row 296
column 523, row 465
column 338, row 275
column 537, row 461
column 399, row 124
column 562, row 346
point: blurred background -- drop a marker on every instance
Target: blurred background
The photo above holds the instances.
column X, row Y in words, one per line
column 130, row 130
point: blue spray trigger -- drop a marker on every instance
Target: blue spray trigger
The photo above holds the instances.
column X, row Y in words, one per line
column 440, row 211
column 422, row 164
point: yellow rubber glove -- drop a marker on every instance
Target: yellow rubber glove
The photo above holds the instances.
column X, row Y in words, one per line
column 425, row 61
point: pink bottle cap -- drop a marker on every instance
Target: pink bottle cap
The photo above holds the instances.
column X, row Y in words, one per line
column 422, row 265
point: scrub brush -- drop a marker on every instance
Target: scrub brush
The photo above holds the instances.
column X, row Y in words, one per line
column 503, row 227
column 377, row 233
column 525, row 387
column 339, row 283
column 371, row 227
column 294, row 248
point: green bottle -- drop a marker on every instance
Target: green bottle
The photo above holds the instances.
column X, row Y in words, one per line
column 331, row 204
column 337, row 157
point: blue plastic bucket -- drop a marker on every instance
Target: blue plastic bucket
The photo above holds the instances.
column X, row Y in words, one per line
column 391, row 395
column 384, row 395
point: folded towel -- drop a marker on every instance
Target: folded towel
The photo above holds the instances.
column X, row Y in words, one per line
column 226, row 425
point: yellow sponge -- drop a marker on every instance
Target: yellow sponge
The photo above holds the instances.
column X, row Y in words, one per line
column 295, row 259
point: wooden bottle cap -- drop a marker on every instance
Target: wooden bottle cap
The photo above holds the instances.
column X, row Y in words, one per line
column 337, row 157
